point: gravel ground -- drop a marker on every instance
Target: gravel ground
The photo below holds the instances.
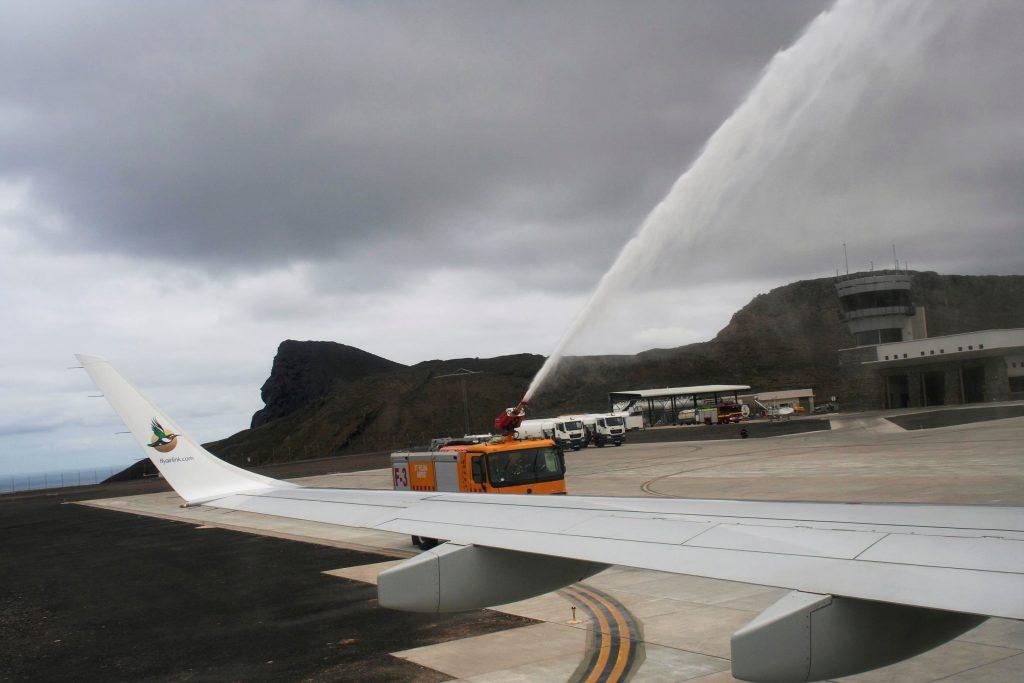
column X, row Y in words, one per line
column 89, row 594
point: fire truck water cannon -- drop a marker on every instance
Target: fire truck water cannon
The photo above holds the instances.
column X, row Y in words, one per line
column 510, row 419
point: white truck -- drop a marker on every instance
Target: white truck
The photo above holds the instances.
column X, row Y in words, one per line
column 601, row 428
column 567, row 433
column 633, row 415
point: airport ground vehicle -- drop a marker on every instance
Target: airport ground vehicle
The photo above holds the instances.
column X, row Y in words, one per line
column 565, row 433
column 721, row 413
column 633, row 421
column 501, row 465
column 730, row 413
column 601, row 428
column 609, row 429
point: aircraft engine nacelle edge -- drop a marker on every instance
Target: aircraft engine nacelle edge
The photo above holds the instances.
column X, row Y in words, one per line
column 810, row 637
column 457, row 578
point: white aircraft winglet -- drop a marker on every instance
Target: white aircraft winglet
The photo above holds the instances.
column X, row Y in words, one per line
column 192, row 471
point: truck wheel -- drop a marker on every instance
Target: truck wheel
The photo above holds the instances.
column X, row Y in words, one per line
column 618, row 443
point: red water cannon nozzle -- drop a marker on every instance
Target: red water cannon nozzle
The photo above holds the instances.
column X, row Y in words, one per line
column 507, row 422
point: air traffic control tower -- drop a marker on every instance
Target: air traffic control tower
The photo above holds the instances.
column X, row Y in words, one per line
column 877, row 308
column 895, row 364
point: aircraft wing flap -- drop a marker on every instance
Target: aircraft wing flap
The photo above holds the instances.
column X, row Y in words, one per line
column 985, row 554
column 648, row 529
column 789, row 540
column 522, row 517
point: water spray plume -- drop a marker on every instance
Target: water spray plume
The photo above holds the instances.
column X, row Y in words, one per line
column 809, row 89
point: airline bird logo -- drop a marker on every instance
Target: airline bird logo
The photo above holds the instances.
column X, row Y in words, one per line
column 162, row 440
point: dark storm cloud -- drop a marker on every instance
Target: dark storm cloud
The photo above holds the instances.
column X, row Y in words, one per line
column 236, row 134
column 185, row 184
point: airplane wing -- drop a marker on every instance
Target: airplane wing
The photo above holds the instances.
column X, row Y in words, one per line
column 872, row 584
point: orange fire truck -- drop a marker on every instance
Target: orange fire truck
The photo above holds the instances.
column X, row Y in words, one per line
column 501, row 465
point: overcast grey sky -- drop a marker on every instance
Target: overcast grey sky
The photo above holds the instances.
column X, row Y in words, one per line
column 185, row 184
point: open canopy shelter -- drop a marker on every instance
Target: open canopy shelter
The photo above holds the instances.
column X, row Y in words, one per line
column 662, row 406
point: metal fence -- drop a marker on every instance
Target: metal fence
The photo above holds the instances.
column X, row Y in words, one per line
column 10, row 483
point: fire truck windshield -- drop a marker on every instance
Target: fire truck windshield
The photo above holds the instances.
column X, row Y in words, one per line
column 614, row 421
column 572, row 425
column 527, row 466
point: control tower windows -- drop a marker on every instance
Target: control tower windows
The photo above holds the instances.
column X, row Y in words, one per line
column 879, row 299
column 883, row 336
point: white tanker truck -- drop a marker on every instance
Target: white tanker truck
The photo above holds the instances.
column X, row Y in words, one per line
column 567, row 433
column 601, row 428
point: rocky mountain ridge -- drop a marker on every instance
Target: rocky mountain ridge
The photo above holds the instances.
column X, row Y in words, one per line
column 324, row 398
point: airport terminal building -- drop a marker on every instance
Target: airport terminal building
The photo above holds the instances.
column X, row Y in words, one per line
column 895, row 364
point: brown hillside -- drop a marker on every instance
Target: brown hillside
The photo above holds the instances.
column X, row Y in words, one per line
column 786, row 338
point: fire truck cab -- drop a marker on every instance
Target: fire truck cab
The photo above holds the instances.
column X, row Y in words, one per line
column 533, row 466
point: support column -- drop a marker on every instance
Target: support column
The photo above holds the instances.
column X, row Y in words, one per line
column 915, row 389
column 953, row 389
column 997, row 382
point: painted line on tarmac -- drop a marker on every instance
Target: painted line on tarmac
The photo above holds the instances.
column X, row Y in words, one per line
column 614, row 644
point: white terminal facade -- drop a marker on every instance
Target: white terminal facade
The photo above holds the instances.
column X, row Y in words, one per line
column 912, row 369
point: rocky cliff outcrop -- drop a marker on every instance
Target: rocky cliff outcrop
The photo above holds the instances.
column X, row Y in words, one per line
column 306, row 370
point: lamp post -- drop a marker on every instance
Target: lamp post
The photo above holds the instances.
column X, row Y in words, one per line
column 462, row 373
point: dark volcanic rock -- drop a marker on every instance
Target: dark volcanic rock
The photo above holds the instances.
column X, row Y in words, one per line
column 139, row 470
column 305, row 370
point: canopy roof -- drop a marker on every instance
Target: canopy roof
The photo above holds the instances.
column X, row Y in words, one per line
column 681, row 391
column 784, row 394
